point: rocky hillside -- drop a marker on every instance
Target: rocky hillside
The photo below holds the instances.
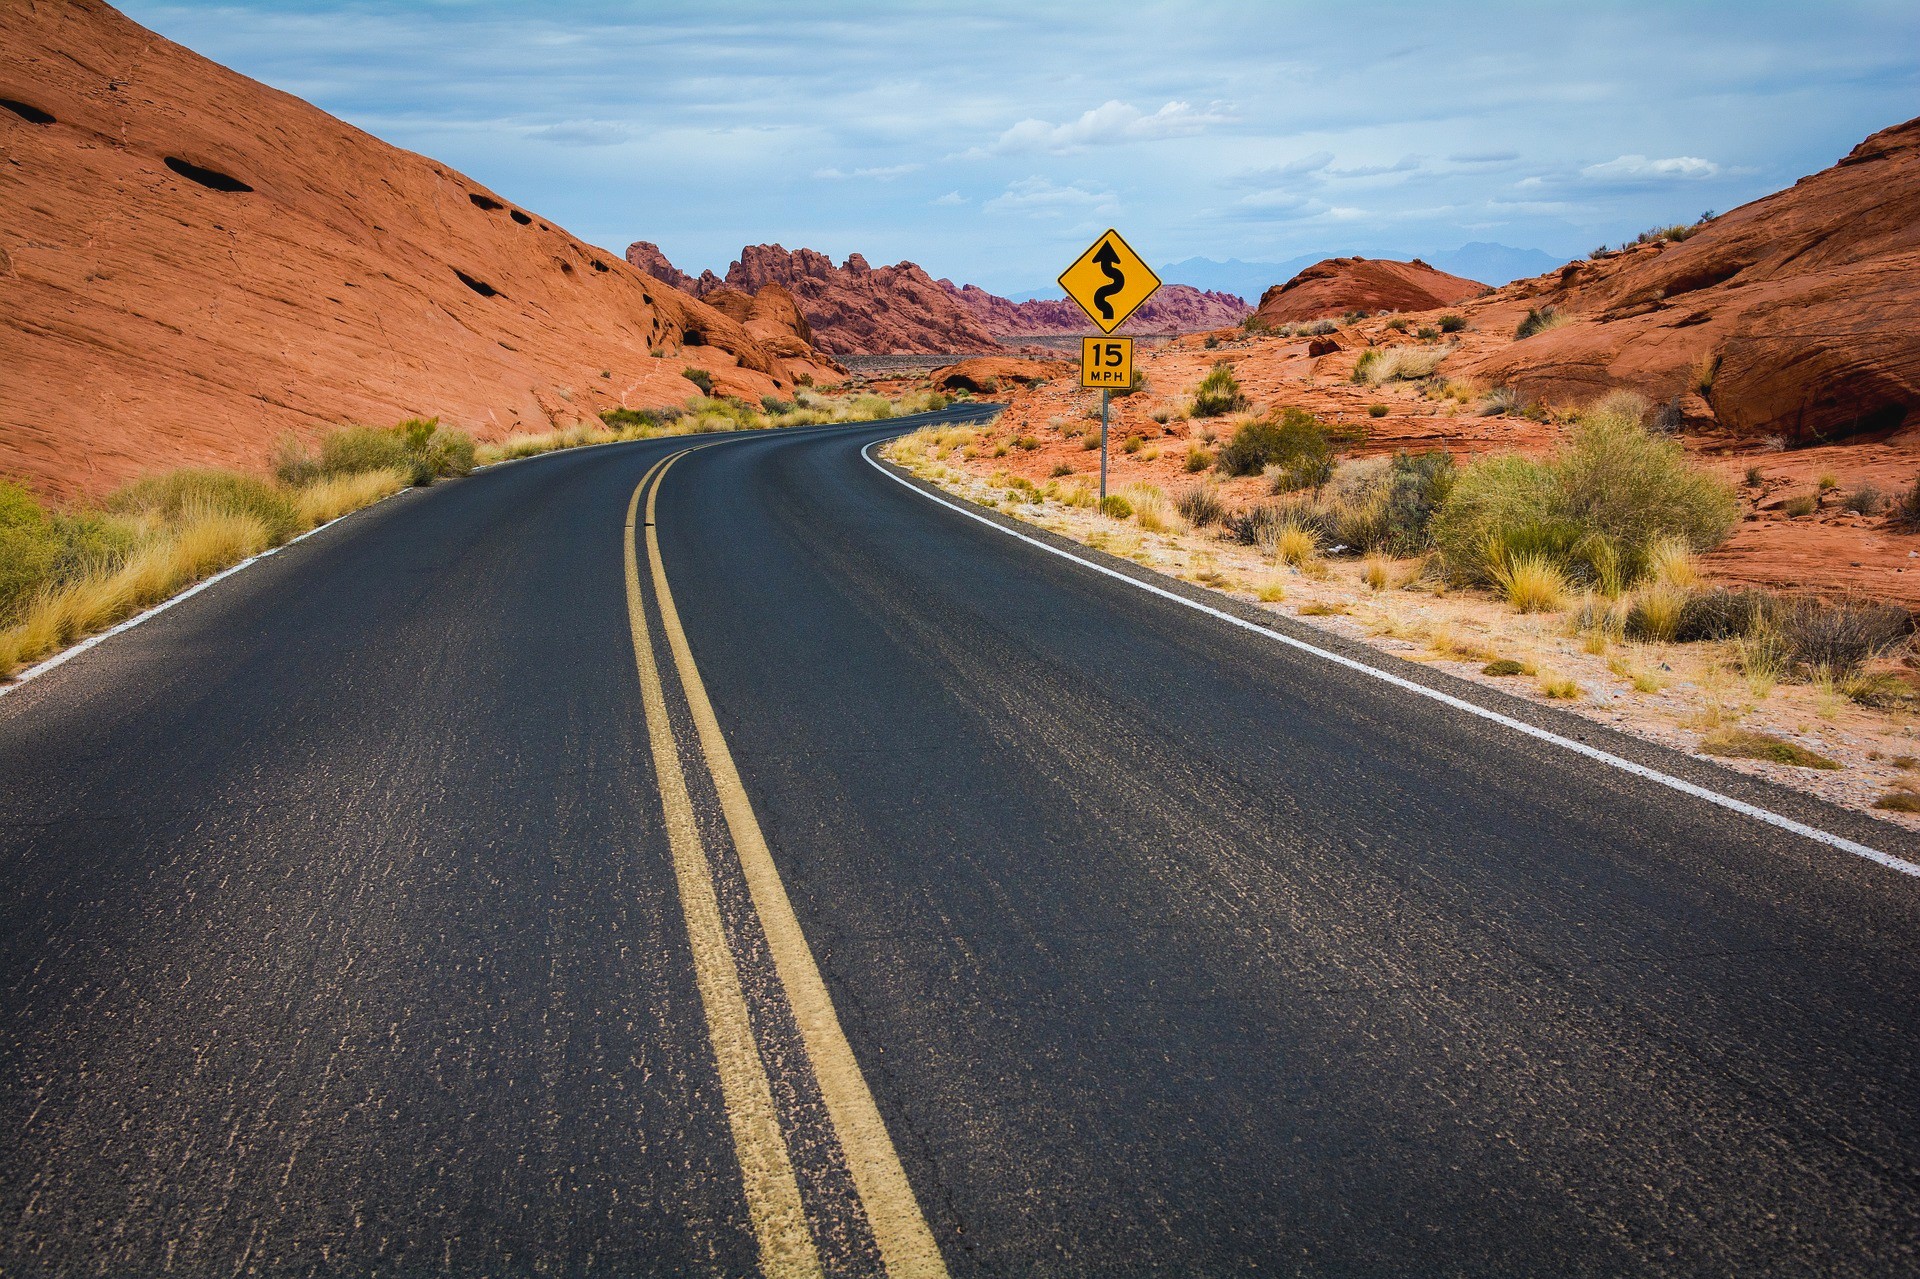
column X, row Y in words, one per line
column 853, row 309
column 193, row 264
column 1175, row 308
column 1329, row 289
column 1796, row 316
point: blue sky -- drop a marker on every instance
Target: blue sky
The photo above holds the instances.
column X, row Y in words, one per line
column 989, row 142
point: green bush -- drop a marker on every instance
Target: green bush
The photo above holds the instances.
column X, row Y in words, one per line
column 1451, row 323
column 700, row 378
column 1292, row 439
column 639, row 419
column 1538, row 320
column 1218, row 393
column 183, row 492
column 419, row 448
column 1115, row 506
column 1597, row 508
column 29, row 547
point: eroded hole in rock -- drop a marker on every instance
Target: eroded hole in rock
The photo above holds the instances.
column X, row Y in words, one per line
column 598, row 265
column 481, row 287
column 212, row 179
column 486, row 202
column 1703, row 277
column 519, row 217
column 691, row 338
column 567, row 267
column 28, row 112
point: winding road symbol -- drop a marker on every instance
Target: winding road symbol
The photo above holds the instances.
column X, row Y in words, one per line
column 1109, row 281
column 1109, row 261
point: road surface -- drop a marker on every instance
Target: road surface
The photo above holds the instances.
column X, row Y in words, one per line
column 394, row 906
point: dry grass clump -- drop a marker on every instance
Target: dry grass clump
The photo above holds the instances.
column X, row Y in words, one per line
column 1200, row 505
column 420, row 448
column 327, row 500
column 1541, row 320
column 1294, row 545
column 1559, row 687
column 1531, row 582
column 1737, row 743
column 1398, row 363
column 1151, row 510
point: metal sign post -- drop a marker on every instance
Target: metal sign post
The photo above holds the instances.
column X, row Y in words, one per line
column 1105, row 395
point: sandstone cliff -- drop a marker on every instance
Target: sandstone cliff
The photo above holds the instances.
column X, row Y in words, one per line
column 192, row 264
column 1332, row 288
column 1795, row 316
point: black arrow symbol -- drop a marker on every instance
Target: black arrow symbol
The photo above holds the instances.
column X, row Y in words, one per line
column 1109, row 261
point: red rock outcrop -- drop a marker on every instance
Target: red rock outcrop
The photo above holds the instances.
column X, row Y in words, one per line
column 1336, row 286
column 1795, row 316
column 193, row 264
column 1174, row 308
column 990, row 374
column 853, row 309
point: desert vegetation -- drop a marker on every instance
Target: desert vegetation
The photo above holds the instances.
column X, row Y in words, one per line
column 66, row 573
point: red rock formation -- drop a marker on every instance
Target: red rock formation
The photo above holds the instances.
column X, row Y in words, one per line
column 1799, row 313
column 990, row 374
column 192, row 264
column 1339, row 285
column 1175, row 308
column 853, row 309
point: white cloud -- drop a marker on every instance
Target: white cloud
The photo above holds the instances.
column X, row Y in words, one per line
column 584, row 133
column 1108, row 124
column 1637, row 168
column 880, row 173
column 1037, row 197
column 951, row 197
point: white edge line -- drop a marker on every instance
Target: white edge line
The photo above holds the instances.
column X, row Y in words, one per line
column 1507, row 721
column 81, row 646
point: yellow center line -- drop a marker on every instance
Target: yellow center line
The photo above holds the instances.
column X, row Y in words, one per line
column 906, row 1245
column 766, row 1167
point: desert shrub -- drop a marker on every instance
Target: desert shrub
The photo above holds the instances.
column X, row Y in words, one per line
column 1292, row 439
column 775, row 405
column 1131, row 444
column 1319, row 329
column 1840, row 636
column 1740, row 743
column 1613, row 486
column 700, row 378
column 1199, row 505
column 421, row 449
column 178, row 496
column 1427, row 333
column 1539, row 320
column 1218, row 393
column 1905, row 514
column 1198, row 459
column 624, row 419
column 1026, row 443
column 1865, row 500
column 1721, row 613
column 1801, row 505
column 1061, row 469
column 1376, row 410
column 1115, row 506
column 1134, row 387
column 1417, row 486
column 1451, row 323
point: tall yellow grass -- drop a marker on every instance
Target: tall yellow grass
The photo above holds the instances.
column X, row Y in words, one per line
column 201, row 544
column 329, row 499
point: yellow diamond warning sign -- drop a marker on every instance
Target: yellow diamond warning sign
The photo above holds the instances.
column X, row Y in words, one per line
column 1109, row 281
column 1106, row 363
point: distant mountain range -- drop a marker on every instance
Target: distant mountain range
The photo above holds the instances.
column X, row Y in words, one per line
column 1482, row 261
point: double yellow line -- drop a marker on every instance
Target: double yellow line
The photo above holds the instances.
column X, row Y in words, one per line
column 787, row 1245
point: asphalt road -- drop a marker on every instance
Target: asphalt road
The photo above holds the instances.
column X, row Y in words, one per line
column 345, row 926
